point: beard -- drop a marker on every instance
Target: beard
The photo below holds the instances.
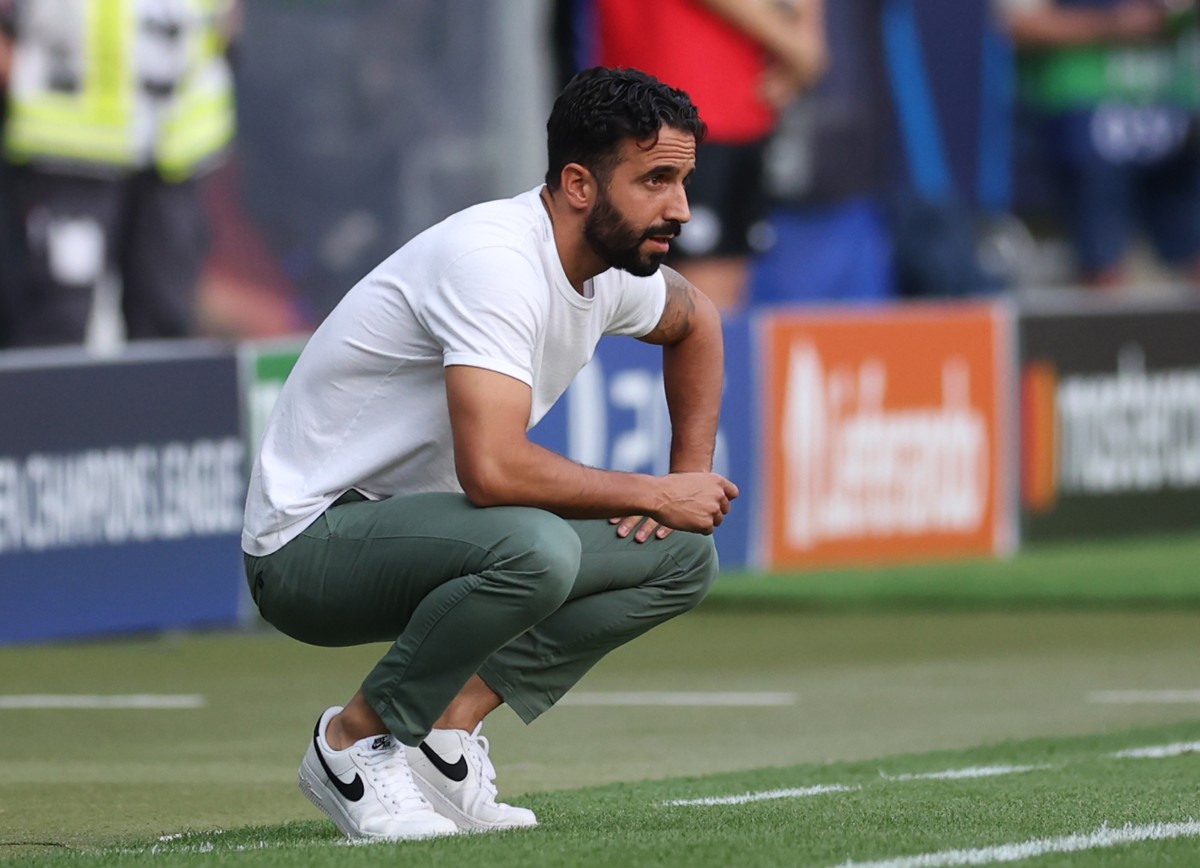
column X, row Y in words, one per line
column 619, row 243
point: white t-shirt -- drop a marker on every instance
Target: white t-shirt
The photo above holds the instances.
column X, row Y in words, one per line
column 365, row 406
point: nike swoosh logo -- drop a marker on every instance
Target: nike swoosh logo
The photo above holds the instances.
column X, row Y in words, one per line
column 353, row 790
column 455, row 771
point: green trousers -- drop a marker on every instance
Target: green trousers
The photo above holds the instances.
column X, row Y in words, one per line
column 526, row 599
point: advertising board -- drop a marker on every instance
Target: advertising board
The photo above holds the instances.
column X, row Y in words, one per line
column 121, row 492
column 1110, row 422
column 884, row 435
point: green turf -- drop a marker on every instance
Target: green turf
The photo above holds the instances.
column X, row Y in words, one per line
column 1076, row 786
column 882, row 668
column 1146, row 572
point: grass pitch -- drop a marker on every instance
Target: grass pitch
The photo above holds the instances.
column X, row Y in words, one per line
column 885, row 711
column 1073, row 802
column 1150, row 573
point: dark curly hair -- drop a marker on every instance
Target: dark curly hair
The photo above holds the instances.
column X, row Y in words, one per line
column 601, row 106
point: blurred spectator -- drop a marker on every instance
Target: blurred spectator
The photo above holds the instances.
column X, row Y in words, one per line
column 115, row 110
column 741, row 63
column 1112, row 88
column 828, row 169
column 891, row 178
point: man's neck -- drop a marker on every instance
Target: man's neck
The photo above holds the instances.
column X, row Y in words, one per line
column 579, row 262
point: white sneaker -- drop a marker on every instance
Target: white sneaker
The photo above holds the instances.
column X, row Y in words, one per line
column 367, row 789
column 454, row 772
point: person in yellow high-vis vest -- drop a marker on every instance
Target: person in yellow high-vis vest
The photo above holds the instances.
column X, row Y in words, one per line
column 115, row 109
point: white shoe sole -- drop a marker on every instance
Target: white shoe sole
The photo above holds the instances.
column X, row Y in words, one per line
column 311, row 785
column 317, row 793
column 448, row 809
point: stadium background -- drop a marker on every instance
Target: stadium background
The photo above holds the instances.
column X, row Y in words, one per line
column 941, row 497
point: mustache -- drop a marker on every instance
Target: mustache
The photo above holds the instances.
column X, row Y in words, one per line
column 671, row 228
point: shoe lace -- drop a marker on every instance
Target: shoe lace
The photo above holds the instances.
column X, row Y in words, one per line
column 477, row 747
column 392, row 779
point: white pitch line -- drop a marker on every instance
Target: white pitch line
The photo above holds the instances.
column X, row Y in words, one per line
column 1143, row 697
column 83, row 700
column 764, row 796
column 709, row 699
column 1159, row 751
column 1015, row 852
column 1153, row 752
column 963, row 774
column 801, row 792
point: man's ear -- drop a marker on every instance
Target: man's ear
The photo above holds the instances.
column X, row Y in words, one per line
column 579, row 186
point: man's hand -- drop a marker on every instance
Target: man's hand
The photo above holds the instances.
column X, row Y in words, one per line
column 792, row 32
column 696, row 502
column 790, row 75
column 645, row 527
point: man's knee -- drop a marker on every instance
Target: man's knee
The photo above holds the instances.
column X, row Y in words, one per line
column 544, row 553
column 697, row 567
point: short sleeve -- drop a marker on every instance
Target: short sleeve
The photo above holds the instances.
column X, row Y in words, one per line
column 486, row 311
column 635, row 304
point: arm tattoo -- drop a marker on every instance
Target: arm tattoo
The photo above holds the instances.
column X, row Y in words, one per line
column 676, row 320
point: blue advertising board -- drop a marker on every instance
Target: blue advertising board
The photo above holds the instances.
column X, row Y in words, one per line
column 121, row 492
column 615, row 416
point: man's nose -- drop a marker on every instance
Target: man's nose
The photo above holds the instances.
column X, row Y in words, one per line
column 677, row 207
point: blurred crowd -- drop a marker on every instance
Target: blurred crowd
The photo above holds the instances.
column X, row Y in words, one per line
column 114, row 111
column 859, row 150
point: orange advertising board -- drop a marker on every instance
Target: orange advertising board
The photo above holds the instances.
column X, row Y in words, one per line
column 884, row 435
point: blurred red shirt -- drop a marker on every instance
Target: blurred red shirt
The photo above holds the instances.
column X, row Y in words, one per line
column 687, row 46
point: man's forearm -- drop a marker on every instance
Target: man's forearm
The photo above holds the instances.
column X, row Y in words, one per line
column 530, row 475
column 693, row 374
column 774, row 26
